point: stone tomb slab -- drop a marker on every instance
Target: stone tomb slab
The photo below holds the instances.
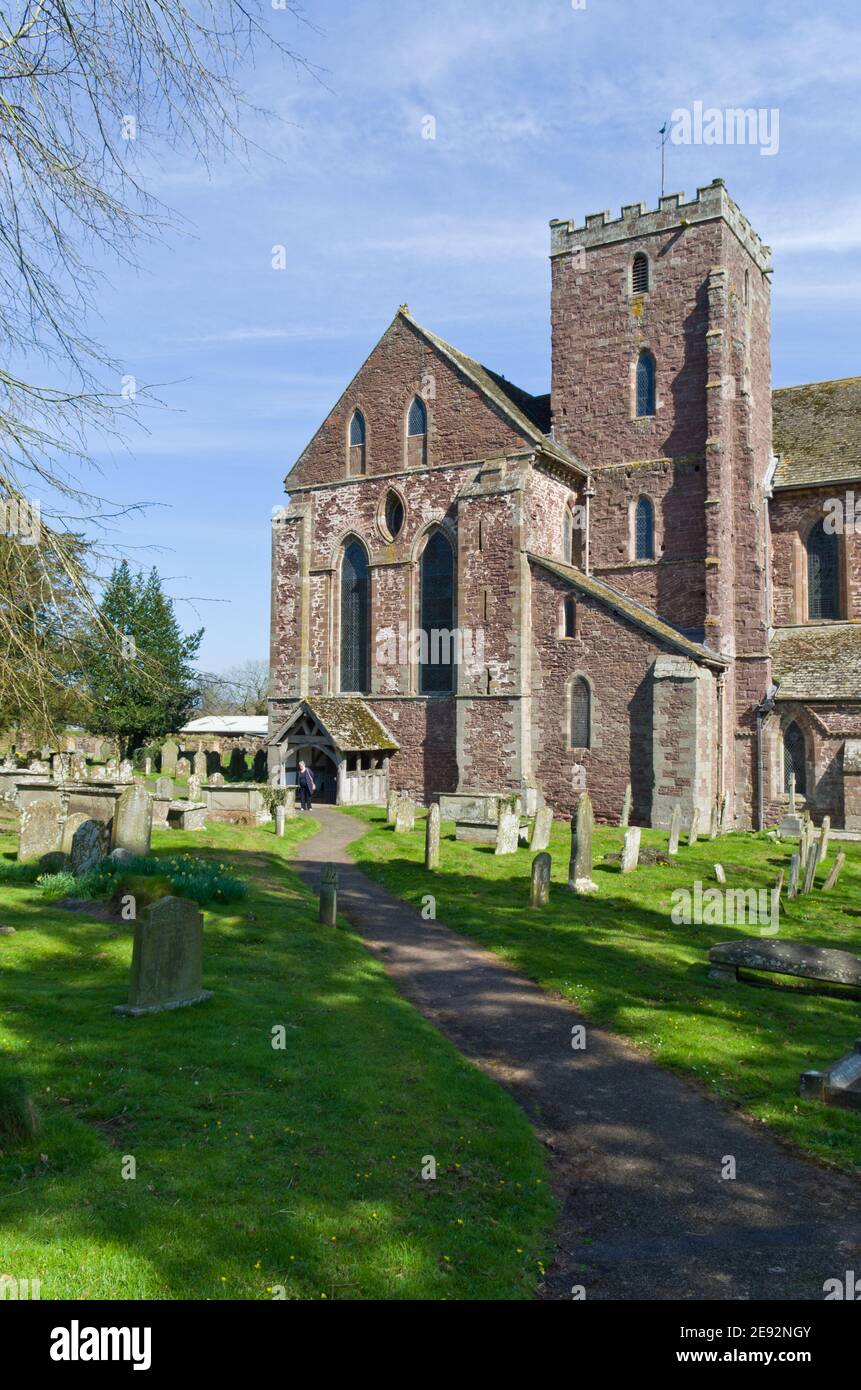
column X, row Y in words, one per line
column 840, row 1085
column 167, row 959
column 821, row 964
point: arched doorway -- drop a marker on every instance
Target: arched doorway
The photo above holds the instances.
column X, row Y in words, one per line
column 324, row 769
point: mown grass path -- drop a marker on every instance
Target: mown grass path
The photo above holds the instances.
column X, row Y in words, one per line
column 639, row 1155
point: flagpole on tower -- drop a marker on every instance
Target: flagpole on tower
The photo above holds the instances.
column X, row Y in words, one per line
column 663, row 134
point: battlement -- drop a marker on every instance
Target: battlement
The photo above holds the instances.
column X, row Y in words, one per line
column 712, row 202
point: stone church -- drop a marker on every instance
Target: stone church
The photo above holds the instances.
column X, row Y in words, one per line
column 649, row 575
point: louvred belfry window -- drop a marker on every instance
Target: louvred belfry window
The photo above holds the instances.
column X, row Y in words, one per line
column 436, row 674
column 355, row 620
column 823, row 580
column 640, row 274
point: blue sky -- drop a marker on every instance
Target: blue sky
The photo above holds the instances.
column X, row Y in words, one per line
column 542, row 110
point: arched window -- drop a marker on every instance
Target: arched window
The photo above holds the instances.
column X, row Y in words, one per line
column 645, row 384
column 436, row 603
column 640, row 274
column 356, row 452
column 569, row 617
column 644, row 530
column 581, row 713
column 394, row 514
column 417, row 433
column 794, row 759
column 355, row 620
column 823, row 580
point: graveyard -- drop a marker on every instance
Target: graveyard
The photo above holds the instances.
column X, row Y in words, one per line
column 614, row 950
column 263, row 1142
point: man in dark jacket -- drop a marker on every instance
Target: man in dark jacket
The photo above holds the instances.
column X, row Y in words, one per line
column 305, row 782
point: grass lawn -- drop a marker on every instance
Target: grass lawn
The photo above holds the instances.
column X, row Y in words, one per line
column 256, row 1168
column 618, row 956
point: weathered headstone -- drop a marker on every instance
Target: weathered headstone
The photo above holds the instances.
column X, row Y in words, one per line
column 126, row 771
column 507, row 830
column 432, row 836
column 39, row 828
column 714, row 822
column 810, row 868
column 169, row 752
column 675, row 829
column 86, row 842
column 835, row 871
column 720, row 873
column 193, row 787
column 693, row 834
column 217, row 779
column 580, row 862
column 405, row 815
column 631, row 849
column 824, row 836
column 280, row 820
column 60, row 767
column 147, row 767
column 392, row 807
column 626, row 808
column 77, row 767
column 164, row 788
column 794, row 868
column 167, row 959
column 539, row 893
column 329, row 895
column 775, row 897
column 541, row 829
column 183, row 767
column 200, row 764
column 724, row 810
column 133, row 820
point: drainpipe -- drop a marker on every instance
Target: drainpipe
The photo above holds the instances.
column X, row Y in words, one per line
column 588, row 494
column 761, row 711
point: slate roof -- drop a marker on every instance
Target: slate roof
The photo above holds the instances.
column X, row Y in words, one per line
column 817, row 432
column 257, row 724
column 820, row 661
column 629, row 608
column 348, row 722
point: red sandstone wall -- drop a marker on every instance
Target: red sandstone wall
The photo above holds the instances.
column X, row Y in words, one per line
column 792, row 515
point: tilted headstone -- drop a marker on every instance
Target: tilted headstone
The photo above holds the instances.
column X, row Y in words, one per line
column 839, row 1085
column 133, row 820
column 626, row 808
column 183, row 767
column 714, row 823
column 824, row 836
column 541, row 829
column 280, row 820
column 507, row 831
column 631, row 849
column 539, row 893
column 810, row 867
column 794, row 869
column 86, row 842
column 329, row 895
column 675, row 830
column 724, row 813
column 200, row 764
column 164, row 788
column 169, row 752
column 580, row 862
column 720, row 875
column 835, row 871
column 432, row 836
column 405, row 815
column 693, row 834
column 167, row 959
column 39, row 828
column 392, row 807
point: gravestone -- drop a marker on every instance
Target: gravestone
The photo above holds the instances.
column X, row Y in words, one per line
column 200, row 764
column 126, row 771
column 775, row 897
column 719, row 873
column 217, row 779
column 507, row 830
column 539, row 893
column 112, row 769
column 167, row 959
column 714, row 823
column 405, row 815
column 147, row 767
column 329, row 895
column 724, row 809
column 824, row 836
column 580, row 862
column 810, row 867
column 392, row 807
column 432, row 836
column 280, row 820
column 86, row 841
column 631, row 849
column 43, row 768
column 133, row 820
column 839, row 1085
column 183, row 767
column 77, row 767
column 193, row 791
column 835, row 871
column 39, row 828
column 693, row 834
column 794, row 868
column 121, row 856
column 236, row 766
column 169, row 752
column 541, row 829
column 784, row 958
column 164, row 788
column 626, row 808
column 675, row 829
column 60, row 767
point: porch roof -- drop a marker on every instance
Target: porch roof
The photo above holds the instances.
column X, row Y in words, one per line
column 348, row 722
